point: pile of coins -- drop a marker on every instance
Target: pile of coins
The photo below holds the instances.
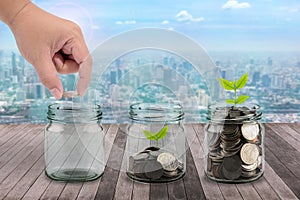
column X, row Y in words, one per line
column 234, row 150
column 152, row 164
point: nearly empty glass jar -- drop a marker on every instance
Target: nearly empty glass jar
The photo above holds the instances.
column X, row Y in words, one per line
column 234, row 144
column 73, row 145
column 155, row 149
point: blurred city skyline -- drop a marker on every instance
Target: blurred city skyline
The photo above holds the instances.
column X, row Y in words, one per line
column 258, row 36
column 274, row 84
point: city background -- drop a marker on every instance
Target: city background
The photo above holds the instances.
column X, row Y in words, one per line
column 238, row 36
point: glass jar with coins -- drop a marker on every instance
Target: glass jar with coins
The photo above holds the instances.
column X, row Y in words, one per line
column 155, row 148
column 73, row 144
column 234, row 144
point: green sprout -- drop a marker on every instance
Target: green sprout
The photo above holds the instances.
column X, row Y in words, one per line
column 156, row 135
column 235, row 85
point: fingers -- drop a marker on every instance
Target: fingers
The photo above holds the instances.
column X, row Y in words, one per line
column 65, row 66
column 48, row 76
column 85, row 71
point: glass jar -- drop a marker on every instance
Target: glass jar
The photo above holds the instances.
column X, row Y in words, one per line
column 73, row 145
column 155, row 148
column 234, row 144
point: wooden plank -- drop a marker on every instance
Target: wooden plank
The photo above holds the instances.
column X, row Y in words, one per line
column 176, row 190
column 158, row 191
column 288, row 155
column 37, row 189
column 89, row 189
column 195, row 136
column 193, row 186
column 14, row 136
column 23, row 152
column 8, row 130
column 264, row 189
column 248, row 191
column 288, row 128
column 27, row 180
column 281, row 189
column 109, row 179
column 283, row 172
column 124, row 185
column 141, row 191
column 295, row 126
column 71, row 191
column 230, row 191
column 288, row 134
column 12, row 179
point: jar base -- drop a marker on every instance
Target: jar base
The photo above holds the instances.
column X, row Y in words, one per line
column 74, row 175
column 160, row 180
column 241, row 180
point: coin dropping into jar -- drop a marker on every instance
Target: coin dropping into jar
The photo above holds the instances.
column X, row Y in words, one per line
column 70, row 94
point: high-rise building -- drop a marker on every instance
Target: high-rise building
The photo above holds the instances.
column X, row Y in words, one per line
column 113, row 77
column 14, row 64
column 266, row 80
column 39, row 91
column 255, row 78
column 1, row 56
column 270, row 61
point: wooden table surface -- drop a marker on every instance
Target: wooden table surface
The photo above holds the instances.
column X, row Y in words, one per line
column 22, row 169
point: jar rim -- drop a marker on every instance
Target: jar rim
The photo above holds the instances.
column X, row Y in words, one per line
column 156, row 112
column 73, row 106
column 72, row 111
column 221, row 112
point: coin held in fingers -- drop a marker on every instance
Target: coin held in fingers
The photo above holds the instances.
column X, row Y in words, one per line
column 70, row 94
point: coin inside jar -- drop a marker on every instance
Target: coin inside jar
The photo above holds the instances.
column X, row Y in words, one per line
column 249, row 153
column 168, row 161
column 250, row 131
column 70, row 94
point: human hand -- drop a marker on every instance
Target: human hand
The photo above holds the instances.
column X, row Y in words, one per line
column 52, row 44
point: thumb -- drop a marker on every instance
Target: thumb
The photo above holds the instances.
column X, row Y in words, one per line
column 48, row 76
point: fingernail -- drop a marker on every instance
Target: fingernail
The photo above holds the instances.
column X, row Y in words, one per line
column 56, row 93
column 81, row 93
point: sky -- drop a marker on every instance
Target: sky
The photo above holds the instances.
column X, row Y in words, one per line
column 217, row 25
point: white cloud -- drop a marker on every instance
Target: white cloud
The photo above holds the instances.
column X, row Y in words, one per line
column 234, row 4
column 294, row 10
column 95, row 27
column 165, row 22
column 127, row 22
column 288, row 19
column 185, row 16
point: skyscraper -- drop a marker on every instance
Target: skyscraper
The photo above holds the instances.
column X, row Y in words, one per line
column 14, row 64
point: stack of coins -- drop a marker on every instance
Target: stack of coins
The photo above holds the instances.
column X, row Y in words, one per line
column 154, row 164
column 234, row 151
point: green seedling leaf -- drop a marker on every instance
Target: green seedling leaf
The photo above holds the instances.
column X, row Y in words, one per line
column 242, row 99
column 235, row 85
column 227, row 85
column 242, row 81
column 149, row 135
column 162, row 133
column 230, row 101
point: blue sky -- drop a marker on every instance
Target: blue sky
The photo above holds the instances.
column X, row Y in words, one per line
column 217, row 25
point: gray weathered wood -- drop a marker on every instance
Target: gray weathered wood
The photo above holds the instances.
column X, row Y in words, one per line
column 195, row 137
column 22, row 169
column 27, row 180
column 109, row 179
column 279, row 186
